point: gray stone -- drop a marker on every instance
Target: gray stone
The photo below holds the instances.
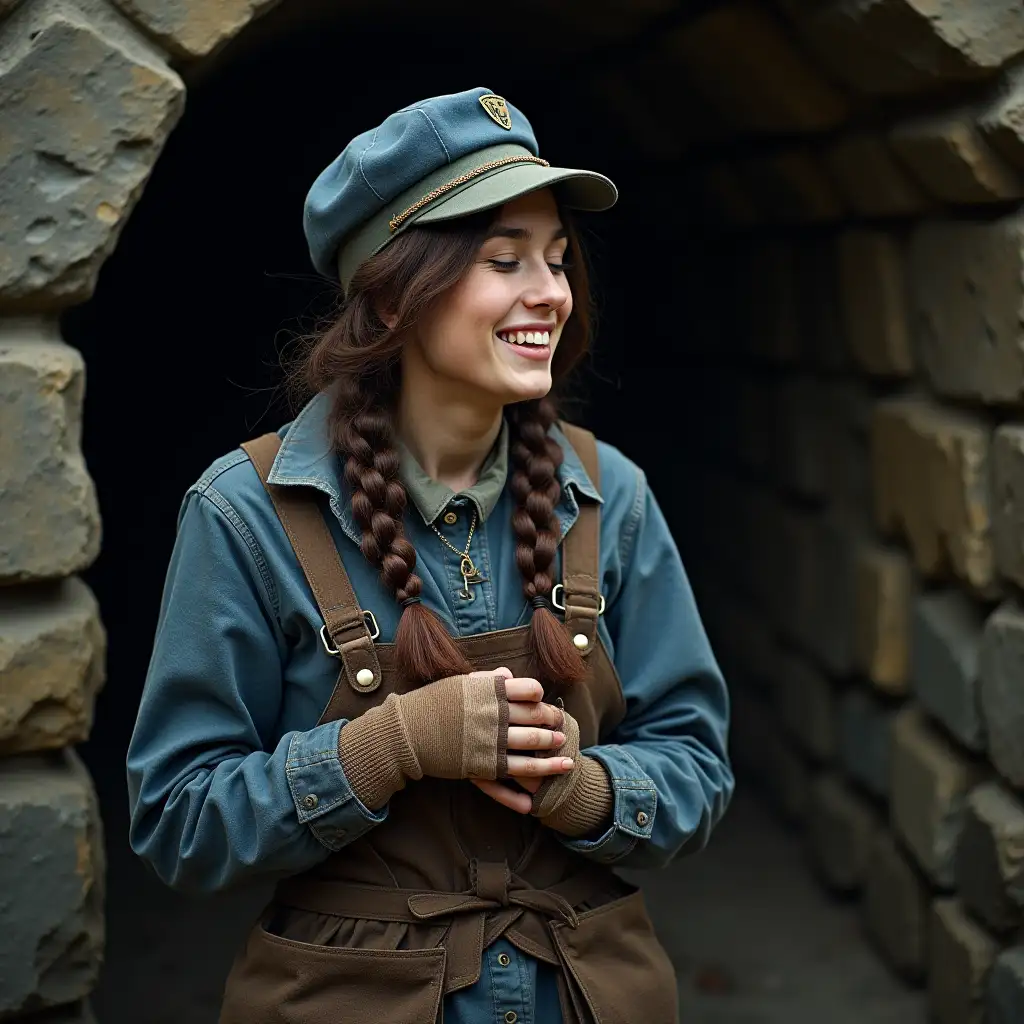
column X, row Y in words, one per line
column 51, row 875
column 946, row 639
column 800, row 458
column 967, row 287
column 875, row 301
column 75, row 156
column 52, row 654
column 1002, row 122
column 865, row 726
column 895, row 907
column 1008, row 501
column 807, row 702
column 786, row 773
column 1006, row 988
column 990, row 858
column 960, row 956
column 48, row 505
column 928, row 787
column 870, row 178
column 194, row 28
column 841, row 825
column 1001, row 669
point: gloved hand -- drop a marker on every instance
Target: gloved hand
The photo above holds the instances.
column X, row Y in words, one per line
column 582, row 800
column 454, row 728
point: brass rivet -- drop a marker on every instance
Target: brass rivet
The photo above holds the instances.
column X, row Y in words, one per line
column 310, row 801
column 641, row 818
column 364, row 677
column 511, row 1017
column 504, row 959
column 581, row 641
column 451, row 518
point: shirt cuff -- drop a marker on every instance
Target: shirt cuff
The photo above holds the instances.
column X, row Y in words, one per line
column 323, row 798
column 636, row 801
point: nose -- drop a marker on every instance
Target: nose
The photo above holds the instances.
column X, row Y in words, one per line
column 547, row 290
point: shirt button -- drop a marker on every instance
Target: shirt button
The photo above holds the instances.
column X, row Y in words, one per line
column 511, row 1017
column 310, row 801
column 504, row 959
column 642, row 818
column 451, row 518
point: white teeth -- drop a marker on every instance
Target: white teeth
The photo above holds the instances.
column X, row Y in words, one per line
column 520, row 338
column 526, row 337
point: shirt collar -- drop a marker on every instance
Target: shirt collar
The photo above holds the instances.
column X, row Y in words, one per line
column 307, row 458
column 431, row 497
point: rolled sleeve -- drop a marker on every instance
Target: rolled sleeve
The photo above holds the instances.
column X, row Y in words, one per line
column 636, row 800
column 323, row 798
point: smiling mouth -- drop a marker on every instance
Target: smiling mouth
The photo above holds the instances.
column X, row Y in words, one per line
column 532, row 339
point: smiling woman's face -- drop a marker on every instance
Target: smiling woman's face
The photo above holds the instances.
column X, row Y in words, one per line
column 495, row 332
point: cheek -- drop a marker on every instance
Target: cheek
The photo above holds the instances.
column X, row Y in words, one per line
column 465, row 326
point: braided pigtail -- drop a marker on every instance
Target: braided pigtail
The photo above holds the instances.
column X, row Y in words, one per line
column 423, row 647
column 535, row 457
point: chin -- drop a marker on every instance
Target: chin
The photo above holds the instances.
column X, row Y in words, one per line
column 528, row 389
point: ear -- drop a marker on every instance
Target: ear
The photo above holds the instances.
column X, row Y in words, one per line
column 388, row 319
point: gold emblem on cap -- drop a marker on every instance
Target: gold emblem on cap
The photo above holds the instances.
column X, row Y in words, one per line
column 497, row 111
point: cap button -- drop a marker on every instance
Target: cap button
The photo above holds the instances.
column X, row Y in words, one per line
column 364, row 677
column 581, row 641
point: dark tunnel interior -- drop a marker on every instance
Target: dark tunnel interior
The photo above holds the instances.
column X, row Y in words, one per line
column 211, row 278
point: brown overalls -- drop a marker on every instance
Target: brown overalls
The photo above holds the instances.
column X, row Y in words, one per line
column 381, row 930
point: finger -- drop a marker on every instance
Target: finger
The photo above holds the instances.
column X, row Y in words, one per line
column 505, row 673
column 531, row 784
column 534, row 739
column 505, row 795
column 537, row 714
column 524, row 689
column 528, row 767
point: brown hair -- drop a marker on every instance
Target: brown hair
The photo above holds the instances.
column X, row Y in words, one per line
column 357, row 356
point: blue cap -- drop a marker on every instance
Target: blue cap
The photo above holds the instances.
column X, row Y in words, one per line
column 441, row 158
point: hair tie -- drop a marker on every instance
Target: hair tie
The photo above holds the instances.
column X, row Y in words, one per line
column 410, row 600
column 540, row 601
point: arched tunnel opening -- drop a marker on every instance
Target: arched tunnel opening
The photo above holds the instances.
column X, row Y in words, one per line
column 729, row 386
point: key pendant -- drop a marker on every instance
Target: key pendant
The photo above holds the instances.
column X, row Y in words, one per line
column 470, row 575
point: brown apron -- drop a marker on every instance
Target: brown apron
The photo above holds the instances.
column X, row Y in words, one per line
column 383, row 929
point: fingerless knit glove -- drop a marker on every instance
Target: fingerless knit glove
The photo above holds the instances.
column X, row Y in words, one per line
column 580, row 801
column 455, row 728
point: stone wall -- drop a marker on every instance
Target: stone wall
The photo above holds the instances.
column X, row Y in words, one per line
column 865, row 524
column 864, row 527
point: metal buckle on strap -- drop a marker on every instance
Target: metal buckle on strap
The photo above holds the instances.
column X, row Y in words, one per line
column 371, row 625
column 561, row 607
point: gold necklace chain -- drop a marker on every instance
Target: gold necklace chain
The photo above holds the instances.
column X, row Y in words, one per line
column 470, row 573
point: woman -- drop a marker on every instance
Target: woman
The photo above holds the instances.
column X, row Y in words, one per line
column 429, row 655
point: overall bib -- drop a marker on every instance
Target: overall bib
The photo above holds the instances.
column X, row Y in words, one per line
column 384, row 928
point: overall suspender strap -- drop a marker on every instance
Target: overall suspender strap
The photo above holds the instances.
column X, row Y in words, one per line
column 345, row 624
column 581, row 549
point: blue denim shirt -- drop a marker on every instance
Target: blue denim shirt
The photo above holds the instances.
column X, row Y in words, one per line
column 226, row 744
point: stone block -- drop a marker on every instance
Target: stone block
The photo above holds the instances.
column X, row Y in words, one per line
column 48, row 504
column 52, row 653
column 1005, row 1000
column 730, row 194
column 895, row 907
column 792, row 187
column 967, row 291
column 950, row 157
column 928, row 785
column 773, row 301
column 990, row 858
column 787, row 775
column 800, row 455
column 960, row 957
column 1001, row 670
column 807, row 703
column 875, row 301
column 865, row 729
column 52, row 866
column 870, row 180
column 742, row 62
column 1002, row 121
column 194, row 28
column 900, row 47
column 930, row 468
column 1008, row 501
column 884, row 589
column 840, row 827
column 749, row 730
column 75, row 156
column 945, row 645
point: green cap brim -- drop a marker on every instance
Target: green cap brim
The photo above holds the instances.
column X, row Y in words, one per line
column 578, row 190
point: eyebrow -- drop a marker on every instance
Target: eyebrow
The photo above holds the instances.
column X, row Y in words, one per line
column 522, row 234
